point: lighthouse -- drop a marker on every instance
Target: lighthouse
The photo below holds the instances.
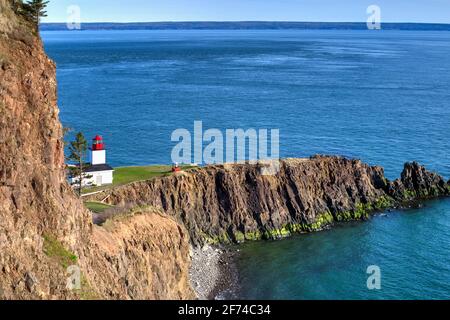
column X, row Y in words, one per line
column 98, row 152
column 98, row 173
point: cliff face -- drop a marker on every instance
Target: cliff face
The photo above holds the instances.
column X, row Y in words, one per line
column 43, row 226
column 237, row 203
column 34, row 199
column 143, row 255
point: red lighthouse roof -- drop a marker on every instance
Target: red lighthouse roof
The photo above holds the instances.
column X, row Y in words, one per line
column 98, row 143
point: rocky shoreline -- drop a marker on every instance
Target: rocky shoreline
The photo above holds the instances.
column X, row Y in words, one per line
column 213, row 272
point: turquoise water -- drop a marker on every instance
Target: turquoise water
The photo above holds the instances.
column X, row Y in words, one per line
column 382, row 97
column 411, row 248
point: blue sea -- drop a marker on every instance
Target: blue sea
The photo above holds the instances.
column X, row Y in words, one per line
column 381, row 96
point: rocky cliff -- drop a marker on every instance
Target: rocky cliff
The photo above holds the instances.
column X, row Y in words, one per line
column 142, row 254
column 44, row 228
column 233, row 203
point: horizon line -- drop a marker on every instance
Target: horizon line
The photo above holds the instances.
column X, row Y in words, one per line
column 241, row 21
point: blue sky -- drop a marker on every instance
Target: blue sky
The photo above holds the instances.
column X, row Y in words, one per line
column 437, row 11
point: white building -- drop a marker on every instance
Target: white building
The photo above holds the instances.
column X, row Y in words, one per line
column 98, row 173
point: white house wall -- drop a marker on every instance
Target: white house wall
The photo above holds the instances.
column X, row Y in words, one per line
column 107, row 178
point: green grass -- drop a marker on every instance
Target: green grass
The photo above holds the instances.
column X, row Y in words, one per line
column 97, row 207
column 126, row 175
column 54, row 249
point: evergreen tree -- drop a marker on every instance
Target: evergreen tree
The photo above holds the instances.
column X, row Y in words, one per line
column 78, row 150
column 35, row 10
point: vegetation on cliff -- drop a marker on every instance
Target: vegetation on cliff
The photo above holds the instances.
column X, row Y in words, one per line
column 126, row 175
column 32, row 10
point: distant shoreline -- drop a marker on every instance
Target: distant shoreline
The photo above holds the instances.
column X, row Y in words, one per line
column 245, row 25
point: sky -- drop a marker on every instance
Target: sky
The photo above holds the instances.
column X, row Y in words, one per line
column 433, row 11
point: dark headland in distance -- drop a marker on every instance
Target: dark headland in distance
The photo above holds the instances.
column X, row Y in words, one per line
column 245, row 25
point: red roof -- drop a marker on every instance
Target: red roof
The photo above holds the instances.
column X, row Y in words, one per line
column 98, row 138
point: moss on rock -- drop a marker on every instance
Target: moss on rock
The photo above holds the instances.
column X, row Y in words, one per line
column 383, row 202
column 253, row 236
column 409, row 194
column 287, row 230
column 55, row 249
column 361, row 212
column 239, row 237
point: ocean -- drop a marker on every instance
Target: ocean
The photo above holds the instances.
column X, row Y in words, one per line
column 380, row 96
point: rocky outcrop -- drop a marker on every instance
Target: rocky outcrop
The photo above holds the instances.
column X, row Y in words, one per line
column 417, row 183
column 239, row 202
column 44, row 228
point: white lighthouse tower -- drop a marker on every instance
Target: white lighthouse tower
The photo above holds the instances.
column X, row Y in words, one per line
column 98, row 152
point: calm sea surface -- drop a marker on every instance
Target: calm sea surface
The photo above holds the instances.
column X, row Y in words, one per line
column 383, row 97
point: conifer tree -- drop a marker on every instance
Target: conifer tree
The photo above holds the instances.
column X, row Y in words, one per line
column 34, row 10
column 78, row 150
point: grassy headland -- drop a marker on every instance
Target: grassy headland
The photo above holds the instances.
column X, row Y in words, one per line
column 126, row 175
